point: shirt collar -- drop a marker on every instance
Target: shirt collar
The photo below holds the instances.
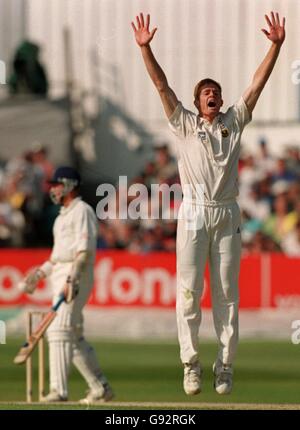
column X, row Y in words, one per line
column 64, row 210
column 202, row 121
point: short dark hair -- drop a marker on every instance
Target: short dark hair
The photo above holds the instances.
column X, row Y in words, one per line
column 201, row 84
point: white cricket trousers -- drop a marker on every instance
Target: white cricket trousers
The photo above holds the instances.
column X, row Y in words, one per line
column 65, row 335
column 217, row 239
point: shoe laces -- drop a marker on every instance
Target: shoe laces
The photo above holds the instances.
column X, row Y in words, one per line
column 192, row 372
column 225, row 375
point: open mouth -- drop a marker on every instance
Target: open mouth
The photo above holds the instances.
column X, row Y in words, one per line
column 211, row 104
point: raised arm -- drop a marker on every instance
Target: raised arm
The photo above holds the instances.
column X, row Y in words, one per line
column 143, row 37
column 276, row 35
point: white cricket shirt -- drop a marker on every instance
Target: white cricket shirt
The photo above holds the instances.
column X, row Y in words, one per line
column 208, row 153
column 75, row 230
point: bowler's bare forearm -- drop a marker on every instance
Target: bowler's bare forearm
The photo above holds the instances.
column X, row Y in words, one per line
column 156, row 73
column 265, row 69
column 160, row 81
column 276, row 34
column 261, row 77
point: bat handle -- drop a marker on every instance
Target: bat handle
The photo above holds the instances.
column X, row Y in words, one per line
column 60, row 300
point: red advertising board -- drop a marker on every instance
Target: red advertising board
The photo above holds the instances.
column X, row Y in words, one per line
column 285, row 282
column 131, row 280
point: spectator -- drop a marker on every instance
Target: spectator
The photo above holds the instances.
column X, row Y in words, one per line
column 263, row 187
column 293, row 160
column 281, row 222
column 12, row 223
column 261, row 243
column 282, row 172
column 265, row 161
column 249, row 175
column 291, row 242
column 256, row 205
column 166, row 169
column 40, row 159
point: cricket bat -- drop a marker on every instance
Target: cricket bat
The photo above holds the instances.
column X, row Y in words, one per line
column 27, row 349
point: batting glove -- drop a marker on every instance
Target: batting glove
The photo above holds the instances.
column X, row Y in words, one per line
column 29, row 283
column 71, row 288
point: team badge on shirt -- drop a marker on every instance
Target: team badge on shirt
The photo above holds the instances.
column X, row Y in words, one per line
column 225, row 133
column 202, row 136
column 223, row 128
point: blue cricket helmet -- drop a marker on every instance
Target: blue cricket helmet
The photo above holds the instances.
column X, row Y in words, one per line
column 63, row 173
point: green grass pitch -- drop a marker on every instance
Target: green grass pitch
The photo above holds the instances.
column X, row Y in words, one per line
column 266, row 372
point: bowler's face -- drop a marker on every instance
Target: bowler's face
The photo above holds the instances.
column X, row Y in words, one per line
column 210, row 100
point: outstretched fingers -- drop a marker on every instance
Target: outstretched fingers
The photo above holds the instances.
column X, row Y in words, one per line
column 273, row 18
column 268, row 21
column 276, row 29
column 265, row 32
column 142, row 20
column 133, row 26
column 148, row 21
column 141, row 29
column 153, row 32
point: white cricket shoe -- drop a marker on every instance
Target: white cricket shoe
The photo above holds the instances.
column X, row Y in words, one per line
column 53, row 397
column 98, row 396
column 223, row 377
column 192, row 378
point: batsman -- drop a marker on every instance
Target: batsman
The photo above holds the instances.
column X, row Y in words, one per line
column 208, row 148
column 70, row 270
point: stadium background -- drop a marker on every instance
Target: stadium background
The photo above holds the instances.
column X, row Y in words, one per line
column 102, row 115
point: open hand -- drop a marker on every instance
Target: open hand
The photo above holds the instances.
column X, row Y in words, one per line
column 276, row 31
column 143, row 35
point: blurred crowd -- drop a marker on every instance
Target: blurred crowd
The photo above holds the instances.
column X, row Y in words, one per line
column 26, row 215
column 269, row 200
column 269, row 192
column 146, row 234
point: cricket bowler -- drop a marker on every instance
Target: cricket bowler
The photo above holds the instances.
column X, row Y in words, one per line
column 70, row 270
column 208, row 148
